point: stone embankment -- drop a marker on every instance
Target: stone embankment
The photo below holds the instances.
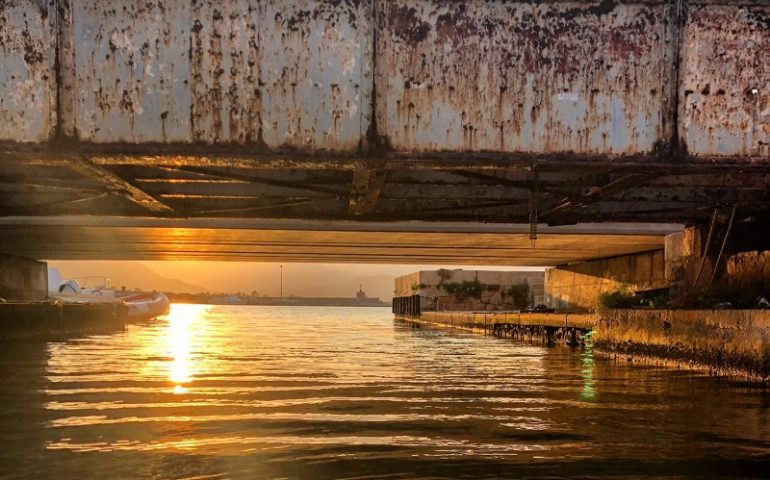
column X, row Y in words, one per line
column 735, row 342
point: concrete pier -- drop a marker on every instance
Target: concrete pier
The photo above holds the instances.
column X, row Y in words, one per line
column 734, row 342
column 23, row 279
column 54, row 319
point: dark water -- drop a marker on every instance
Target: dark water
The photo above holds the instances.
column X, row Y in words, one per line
column 316, row 393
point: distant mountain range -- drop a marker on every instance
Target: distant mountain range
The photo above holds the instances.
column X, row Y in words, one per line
column 132, row 275
column 307, row 280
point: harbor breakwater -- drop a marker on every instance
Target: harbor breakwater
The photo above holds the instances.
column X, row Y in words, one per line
column 735, row 342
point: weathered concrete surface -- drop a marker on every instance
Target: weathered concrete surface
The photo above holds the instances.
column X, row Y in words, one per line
column 748, row 269
column 578, row 286
column 23, row 279
column 733, row 342
column 686, row 258
column 486, row 321
column 432, row 293
column 723, row 341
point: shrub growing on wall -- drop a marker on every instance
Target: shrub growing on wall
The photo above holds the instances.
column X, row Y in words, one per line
column 444, row 275
column 520, row 294
column 618, row 299
column 463, row 290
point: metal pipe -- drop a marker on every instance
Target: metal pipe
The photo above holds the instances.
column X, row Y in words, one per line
column 724, row 243
column 706, row 248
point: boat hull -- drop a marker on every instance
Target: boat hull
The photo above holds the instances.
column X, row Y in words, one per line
column 146, row 306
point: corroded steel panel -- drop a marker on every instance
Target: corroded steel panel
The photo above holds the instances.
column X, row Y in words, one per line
column 284, row 75
column 316, row 73
column 724, row 91
column 225, row 69
column 542, row 77
column 27, row 77
column 131, row 71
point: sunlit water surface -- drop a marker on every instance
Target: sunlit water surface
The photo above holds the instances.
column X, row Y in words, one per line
column 317, row 393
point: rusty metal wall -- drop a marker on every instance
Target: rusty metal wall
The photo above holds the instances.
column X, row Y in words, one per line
column 285, row 75
column 316, row 73
column 27, row 79
column 540, row 77
column 592, row 77
column 130, row 71
column 724, row 91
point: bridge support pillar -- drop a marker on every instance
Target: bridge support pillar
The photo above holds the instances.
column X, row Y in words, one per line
column 579, row 286
column 684, row 252
column 23, row 279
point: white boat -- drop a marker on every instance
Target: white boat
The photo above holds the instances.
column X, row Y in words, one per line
column 141, row 305
column 146, row 305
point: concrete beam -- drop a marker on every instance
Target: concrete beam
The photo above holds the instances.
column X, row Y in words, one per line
column 117, row 186
column 304, row 241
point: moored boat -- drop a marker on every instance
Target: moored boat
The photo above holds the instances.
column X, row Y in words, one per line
column 141, row 305
column 146, row 305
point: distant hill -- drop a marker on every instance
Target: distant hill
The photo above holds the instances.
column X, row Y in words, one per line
column 131, row 275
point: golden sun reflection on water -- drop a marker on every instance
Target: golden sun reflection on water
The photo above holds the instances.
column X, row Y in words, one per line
column 182, row 322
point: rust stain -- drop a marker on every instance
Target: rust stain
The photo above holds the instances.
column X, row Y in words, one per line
column 577, row 78
column 521, row 76
column 405, row 24
column 725, row 87
column 27, row 78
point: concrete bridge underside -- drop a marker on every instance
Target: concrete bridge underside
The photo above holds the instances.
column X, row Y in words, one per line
column 123, row 124
column 126, row 238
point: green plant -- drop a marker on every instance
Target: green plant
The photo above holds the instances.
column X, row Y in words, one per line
column 444, row 275
column 464, row 290
column 492, row 287
column 520, row 294
column 417, row 286
column 618, row 299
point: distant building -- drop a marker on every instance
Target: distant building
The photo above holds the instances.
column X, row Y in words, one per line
column 472, row 289
column 226, row 300
column 363, row 299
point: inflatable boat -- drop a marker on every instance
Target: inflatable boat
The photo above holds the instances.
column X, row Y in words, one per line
column 146, row 305
column 141, row 305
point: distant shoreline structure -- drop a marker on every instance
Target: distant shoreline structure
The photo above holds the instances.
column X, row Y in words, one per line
column 232, row 299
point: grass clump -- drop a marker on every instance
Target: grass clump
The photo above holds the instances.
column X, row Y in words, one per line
column 520, row 294
column 618, row 299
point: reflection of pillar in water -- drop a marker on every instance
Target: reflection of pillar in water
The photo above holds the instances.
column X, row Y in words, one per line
column 23, row 417
column 587, row 356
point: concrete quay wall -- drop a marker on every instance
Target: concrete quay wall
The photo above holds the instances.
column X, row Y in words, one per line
column 735, row 342
column 23, row 279
column 53, row 320
column 722, row 341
